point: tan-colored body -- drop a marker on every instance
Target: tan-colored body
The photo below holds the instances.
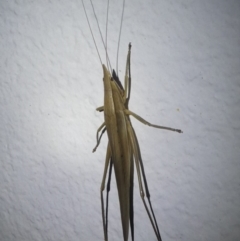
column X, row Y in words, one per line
column 123, row 148
column 115, row 120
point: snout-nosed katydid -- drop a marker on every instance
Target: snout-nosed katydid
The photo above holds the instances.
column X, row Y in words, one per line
column 123, row 148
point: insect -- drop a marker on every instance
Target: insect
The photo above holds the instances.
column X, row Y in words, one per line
column 123, row 148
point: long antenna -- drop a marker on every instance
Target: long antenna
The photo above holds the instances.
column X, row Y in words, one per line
column 100, row 34
column 119, row 37
column 91, row 31
column 106, row 34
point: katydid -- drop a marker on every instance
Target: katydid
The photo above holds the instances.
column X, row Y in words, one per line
column 123, row 148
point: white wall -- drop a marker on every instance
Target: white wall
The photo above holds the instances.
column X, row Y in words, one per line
column 185, row 74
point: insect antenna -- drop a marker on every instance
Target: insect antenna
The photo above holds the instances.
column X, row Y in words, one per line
column 91, row 32
column 100, row 32
column 119, row 37
column 106, row 34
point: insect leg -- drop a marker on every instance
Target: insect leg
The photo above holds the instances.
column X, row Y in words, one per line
column 128, row 112
column 108, row 190
column 100, row 109
column 127, row 79
column 131, row 210
column 99, row 138
column 108, row 157
column 140, row 170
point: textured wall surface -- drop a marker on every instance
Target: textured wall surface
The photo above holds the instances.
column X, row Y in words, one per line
column 185, row 74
